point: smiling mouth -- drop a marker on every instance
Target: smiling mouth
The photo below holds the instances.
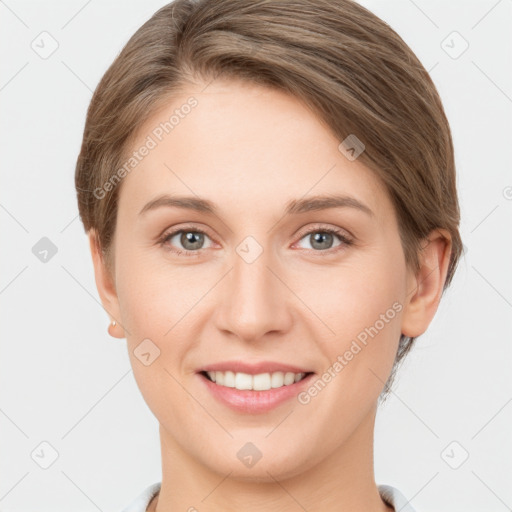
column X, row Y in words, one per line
column 257, row 382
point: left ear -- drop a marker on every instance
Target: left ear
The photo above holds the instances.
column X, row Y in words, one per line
column 426, row 286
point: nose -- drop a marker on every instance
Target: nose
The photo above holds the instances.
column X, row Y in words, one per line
column 255, row 301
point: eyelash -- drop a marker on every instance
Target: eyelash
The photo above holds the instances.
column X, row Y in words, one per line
column 346, row 242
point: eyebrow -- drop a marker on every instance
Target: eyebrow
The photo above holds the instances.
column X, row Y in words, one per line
column 294, row 207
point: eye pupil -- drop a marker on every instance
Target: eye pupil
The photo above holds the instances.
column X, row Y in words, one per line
column 194, row 238
column 320, row 237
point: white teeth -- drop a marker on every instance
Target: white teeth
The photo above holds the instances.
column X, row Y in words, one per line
column 277, row 379
column 289, row 378
column 229, row 379
column 219, row 378
column 259, row 382
column 242, row 380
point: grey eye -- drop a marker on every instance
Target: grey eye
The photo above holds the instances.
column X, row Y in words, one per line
column 321, row 239
column 189, row 240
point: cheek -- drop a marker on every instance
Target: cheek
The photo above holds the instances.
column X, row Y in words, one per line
column 358, row 357
column 161, row 307
column 152, row 294
column 351, row 297
column 361, row 304
column 154, row 306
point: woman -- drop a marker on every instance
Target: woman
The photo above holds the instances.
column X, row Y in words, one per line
column 269, row 193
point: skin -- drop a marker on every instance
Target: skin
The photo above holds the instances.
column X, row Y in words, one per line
column 250, row 150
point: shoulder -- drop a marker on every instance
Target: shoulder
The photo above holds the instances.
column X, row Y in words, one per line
column 141, row 502
column 392, row 496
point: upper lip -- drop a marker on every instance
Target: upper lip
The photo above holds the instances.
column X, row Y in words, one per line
column 254, row 368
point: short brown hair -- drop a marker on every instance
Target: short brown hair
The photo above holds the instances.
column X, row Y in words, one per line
column 350, row 67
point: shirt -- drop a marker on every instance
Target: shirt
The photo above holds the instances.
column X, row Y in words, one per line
column 391, row 495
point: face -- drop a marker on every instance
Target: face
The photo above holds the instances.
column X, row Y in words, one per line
column 260, row 280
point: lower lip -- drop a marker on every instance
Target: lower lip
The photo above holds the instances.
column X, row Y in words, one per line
column 249, row 401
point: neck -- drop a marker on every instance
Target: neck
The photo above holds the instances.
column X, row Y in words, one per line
column 342, row 482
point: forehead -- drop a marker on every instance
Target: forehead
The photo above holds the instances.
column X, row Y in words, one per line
column 242, row 145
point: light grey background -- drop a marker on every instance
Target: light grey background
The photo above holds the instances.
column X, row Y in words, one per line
column 65, row 382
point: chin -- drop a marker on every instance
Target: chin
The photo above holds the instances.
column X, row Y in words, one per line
column 265, row 470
